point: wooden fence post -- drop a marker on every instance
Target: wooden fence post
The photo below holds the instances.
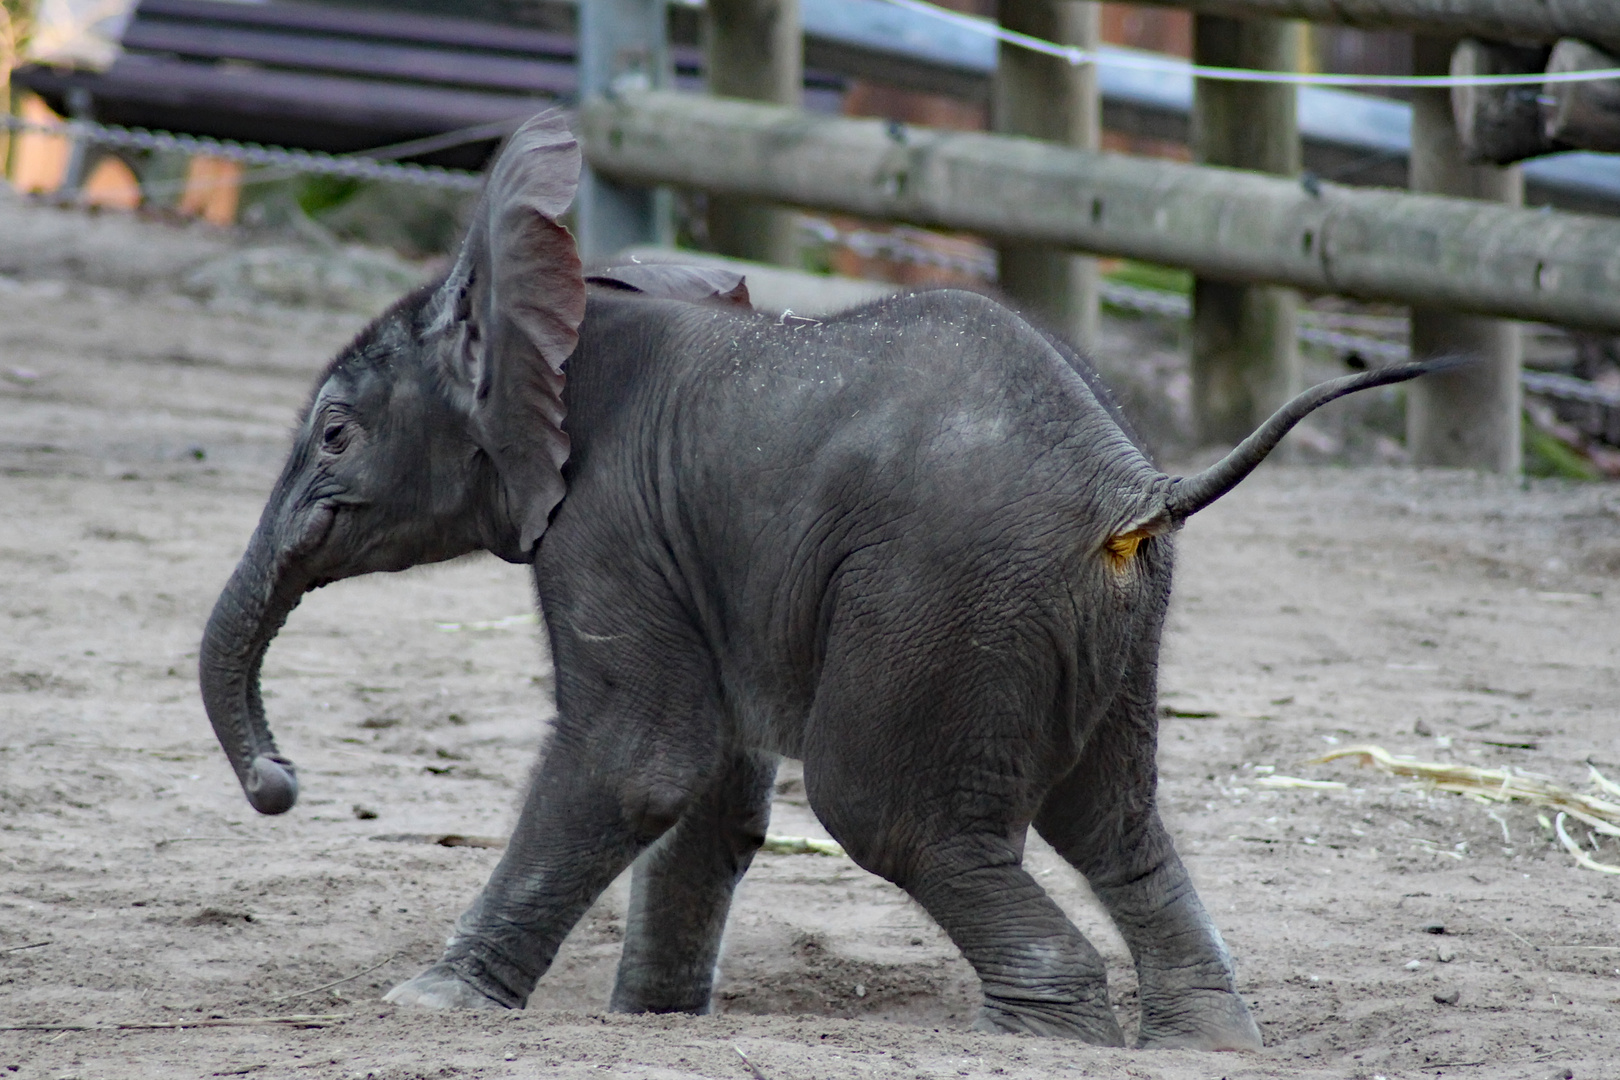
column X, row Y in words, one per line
column 1047, row 98
column 1245, row 357
column 622, row 46
column 1467, row 418
column 754, row 50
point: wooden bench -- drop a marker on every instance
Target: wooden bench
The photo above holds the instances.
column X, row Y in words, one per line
column 330, row 79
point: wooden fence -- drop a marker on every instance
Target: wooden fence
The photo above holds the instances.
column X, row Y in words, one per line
column 1232, row 225
column 1457, row 249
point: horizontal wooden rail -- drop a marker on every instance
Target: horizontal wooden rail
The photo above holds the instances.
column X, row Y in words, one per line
column 1507, row 20
column 1220, row 223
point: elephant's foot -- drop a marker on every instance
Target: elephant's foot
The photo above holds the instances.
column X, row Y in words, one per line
column 1092, row 1022
column 439, row 987
column 1199, row 1020
column 651, row 995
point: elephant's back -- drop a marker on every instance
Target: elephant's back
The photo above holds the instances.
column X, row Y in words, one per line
column 935, row 381
column 939, row 417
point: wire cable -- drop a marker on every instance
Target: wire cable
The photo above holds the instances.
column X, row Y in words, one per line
column 1076, row 56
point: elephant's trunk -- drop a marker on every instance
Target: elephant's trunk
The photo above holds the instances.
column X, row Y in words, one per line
column 246, row 617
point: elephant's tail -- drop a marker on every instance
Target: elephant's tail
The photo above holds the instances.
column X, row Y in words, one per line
column 1190, row 494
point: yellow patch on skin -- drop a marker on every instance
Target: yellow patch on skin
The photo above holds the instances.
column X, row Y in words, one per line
column 1121, row 549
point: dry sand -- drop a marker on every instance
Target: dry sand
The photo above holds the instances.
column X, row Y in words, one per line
column 140, row 428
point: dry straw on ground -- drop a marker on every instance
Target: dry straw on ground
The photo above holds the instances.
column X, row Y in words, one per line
column 1505, row 785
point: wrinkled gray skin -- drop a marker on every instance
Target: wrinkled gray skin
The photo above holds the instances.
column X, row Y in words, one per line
column 909, row 545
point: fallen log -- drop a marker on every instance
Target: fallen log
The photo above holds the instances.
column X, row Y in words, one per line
column 1498, row 125
column 1585, row 115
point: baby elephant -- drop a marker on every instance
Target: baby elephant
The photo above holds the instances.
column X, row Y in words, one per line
column 910, row 545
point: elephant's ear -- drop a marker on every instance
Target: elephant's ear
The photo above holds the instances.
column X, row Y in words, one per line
column 508, row 317
column 676, row 281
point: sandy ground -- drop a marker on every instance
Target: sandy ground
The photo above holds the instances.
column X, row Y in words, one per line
column 143, row 417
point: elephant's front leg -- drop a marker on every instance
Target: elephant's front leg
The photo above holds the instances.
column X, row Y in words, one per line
column 633, row 747
column 572, row 839
column 681, row 891
column 1103, row 818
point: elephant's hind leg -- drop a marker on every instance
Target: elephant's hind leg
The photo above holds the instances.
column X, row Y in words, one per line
column 681, row 891
column 1103, row 819
column 1037, row 972
column 933, row 791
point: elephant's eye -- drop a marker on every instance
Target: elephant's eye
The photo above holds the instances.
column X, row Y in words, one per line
column 335, row 437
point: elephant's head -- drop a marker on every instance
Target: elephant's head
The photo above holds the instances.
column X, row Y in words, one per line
column 435, row 433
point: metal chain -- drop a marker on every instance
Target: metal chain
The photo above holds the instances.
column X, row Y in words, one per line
column 293, row 161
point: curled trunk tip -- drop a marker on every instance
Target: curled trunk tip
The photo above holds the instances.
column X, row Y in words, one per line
column 271, row 784
column 252, row 607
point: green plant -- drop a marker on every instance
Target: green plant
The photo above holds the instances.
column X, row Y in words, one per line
column 318, row 193
column 16, row 21
column 1152, row 276
column 1546, row 455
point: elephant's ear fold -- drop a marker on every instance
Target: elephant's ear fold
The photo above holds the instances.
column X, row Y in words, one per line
column 509, row 315
column 676, row 281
